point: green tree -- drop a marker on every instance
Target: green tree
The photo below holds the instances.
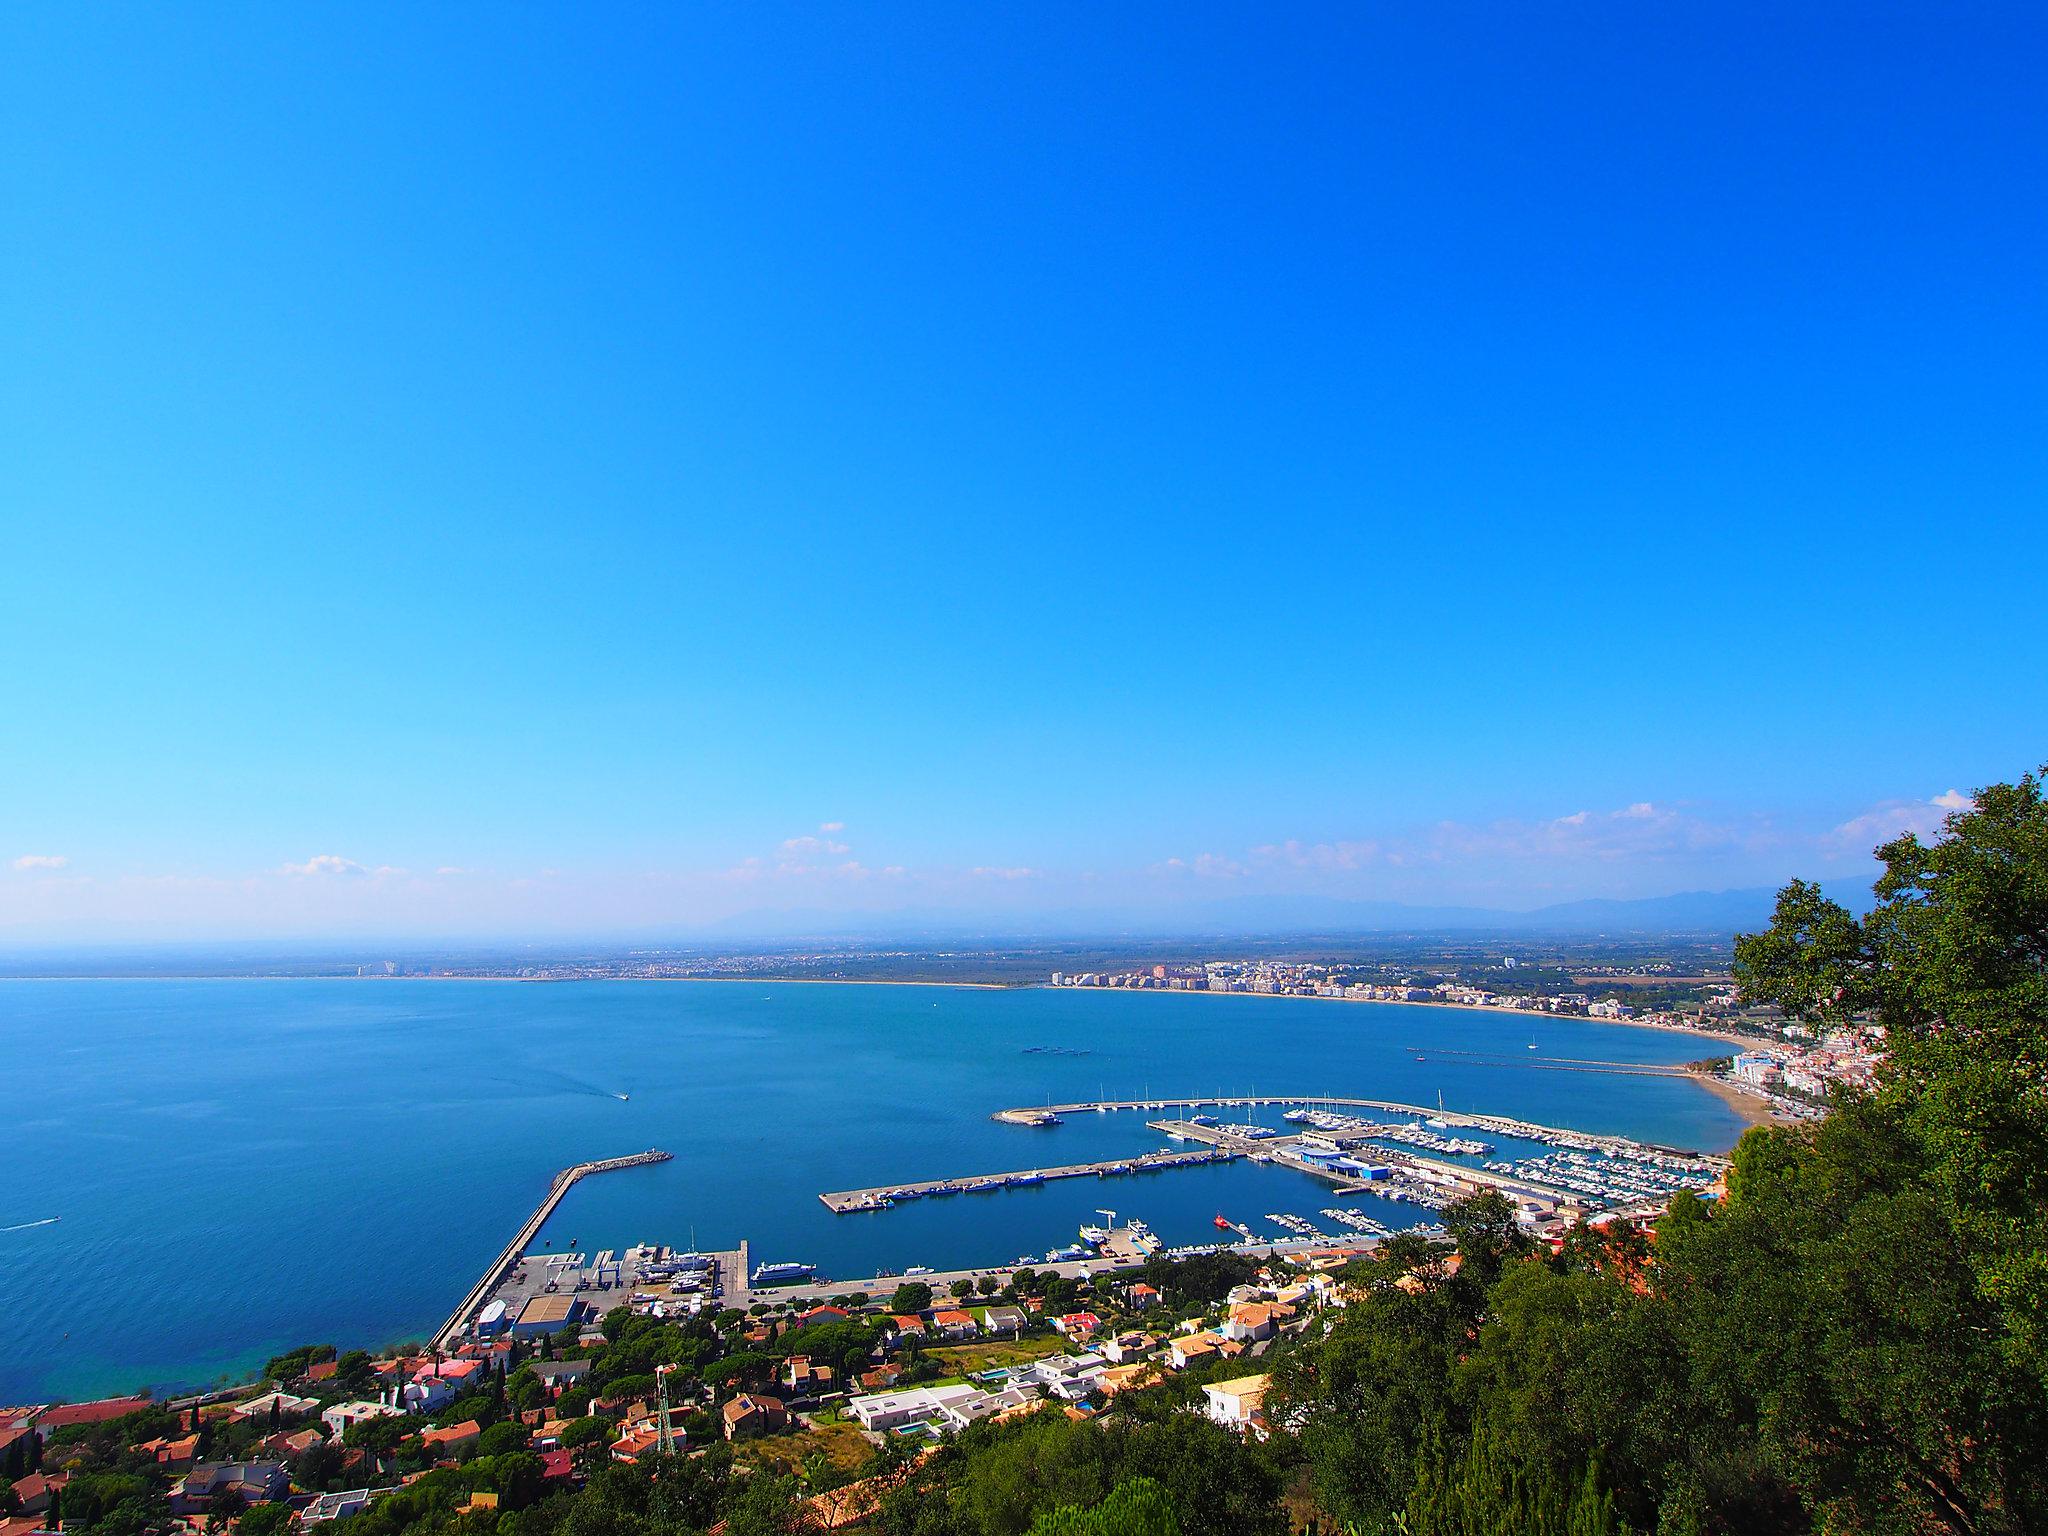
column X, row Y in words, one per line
column 1139, row 1507
column 500, row 1439
column 318, row 1466
column 910, row 1296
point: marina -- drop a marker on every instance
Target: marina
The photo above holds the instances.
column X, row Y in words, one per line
column 1405, row 1161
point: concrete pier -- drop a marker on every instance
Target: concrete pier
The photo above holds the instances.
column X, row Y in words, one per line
column 847, row 1201
column 562, row 1183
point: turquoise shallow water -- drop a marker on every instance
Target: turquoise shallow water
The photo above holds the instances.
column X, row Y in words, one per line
column 241, row 1166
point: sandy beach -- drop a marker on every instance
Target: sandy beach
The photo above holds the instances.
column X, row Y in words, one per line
column 1738, row 1042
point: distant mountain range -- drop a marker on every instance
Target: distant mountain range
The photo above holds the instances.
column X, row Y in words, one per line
column 1708, row 912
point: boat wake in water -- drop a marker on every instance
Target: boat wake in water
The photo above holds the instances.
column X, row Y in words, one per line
column 47, row 1221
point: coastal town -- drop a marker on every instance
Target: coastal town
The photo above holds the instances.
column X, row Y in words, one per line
column 516, row 1410
column 558, row 1364
column 1791, row 1065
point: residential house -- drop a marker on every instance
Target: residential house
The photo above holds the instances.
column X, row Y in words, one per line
column 906, row 1328
column 1128, row 1346
column 1077, row 1325
column 637, row 1441
column 1120, row 1377
column 822, row 1314
column 1069, row 1377
column 1252, row 1321
column 753, row 1414
column 335, row 1506
column 426, row 1395
column 1192, row 1349
column 954, row 1324
column 463, row 1374
column 170, row 1453
column 63, row 1415
column 284, row 1403
column 452, row 1439
column 805, row 1379
column 1004, row 1319
column 953, row 1407
column 338, row 1417
column 1141, row 1297
column 559, row 1375
column 1238, row 1403
column 257, row 1482
column 287, row 1443
column 32, row 1493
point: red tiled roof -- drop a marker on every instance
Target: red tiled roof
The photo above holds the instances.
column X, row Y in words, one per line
column 90, row 1413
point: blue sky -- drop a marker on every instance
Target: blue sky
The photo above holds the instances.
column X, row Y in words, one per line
column 1081, row 459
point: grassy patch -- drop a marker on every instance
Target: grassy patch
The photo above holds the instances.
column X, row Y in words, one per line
column 842, row 1444
column 971, row 1358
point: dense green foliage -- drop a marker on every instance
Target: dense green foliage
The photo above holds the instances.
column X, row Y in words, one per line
column 1851, row 1341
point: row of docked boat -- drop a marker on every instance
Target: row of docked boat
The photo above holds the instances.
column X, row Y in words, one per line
column 1300, row 1226
column 1357, row 1221
column 1611, row 1179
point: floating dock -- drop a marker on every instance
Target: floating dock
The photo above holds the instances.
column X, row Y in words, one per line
column 845, row 1202
column 563, row 1182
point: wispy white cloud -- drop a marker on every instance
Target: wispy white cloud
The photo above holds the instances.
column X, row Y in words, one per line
column 1206, row 866
column 1894, row 818
column 831, row 826
column 41, row 861
column 1299, row 855
column 811, row 847
column 993, row 872
column 332, row 866
column 1641, row 832
column 328, row 865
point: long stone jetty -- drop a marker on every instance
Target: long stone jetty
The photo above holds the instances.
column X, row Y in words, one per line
column 563, row 1182
column 844, row 1201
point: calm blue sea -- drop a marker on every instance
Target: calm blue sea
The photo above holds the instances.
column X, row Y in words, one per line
column 236, row 1167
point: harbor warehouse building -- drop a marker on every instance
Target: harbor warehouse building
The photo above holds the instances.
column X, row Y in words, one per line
column 547, row 1314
